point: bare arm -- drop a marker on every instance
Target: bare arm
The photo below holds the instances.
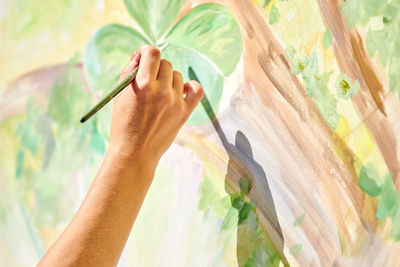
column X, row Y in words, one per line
column 146, row 119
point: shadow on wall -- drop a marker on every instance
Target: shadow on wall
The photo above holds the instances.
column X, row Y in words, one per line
column 247, row 185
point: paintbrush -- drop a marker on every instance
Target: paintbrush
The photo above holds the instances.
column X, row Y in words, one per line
column 121, row 86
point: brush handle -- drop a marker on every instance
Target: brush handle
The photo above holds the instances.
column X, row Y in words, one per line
column 124, row 83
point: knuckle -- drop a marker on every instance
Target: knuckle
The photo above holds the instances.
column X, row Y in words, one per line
column 151, row 50
column 184, row 116
column 201, row 91
column 178, row 74
column 198, row 89
column 166, row 100
column 166, row 63
column 145, row 83
column 179, row 106
column 143, row 94
column 155, row 52
column 145, row 46
column 196, row 85
column 182, row 111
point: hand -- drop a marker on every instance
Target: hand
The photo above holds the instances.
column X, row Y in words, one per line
column 148, row 114
column 146, row 118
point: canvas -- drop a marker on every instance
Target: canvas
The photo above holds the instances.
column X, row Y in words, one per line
column 291, row 158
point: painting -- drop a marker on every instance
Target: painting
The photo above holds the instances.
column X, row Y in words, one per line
column 292, row 158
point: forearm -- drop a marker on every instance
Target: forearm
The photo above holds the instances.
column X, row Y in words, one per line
column 97, row 234
column 147, row 116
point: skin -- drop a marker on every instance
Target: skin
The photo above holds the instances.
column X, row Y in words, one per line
column 146, row 118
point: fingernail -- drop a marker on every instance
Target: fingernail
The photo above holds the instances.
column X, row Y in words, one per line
column 133, row 55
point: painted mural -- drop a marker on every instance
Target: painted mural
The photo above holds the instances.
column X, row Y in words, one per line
column 292, row 157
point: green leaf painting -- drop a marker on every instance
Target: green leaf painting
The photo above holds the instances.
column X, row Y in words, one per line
column 383, row 40
column 345, row 88
column 155, row 17
column 316, row 84
column 299, row 168
column 107, row 52
column 183, row 43
column 212, row 81
column 210, row 22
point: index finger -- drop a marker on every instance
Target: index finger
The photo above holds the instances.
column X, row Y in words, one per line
column 135, row 59
column 149, row 62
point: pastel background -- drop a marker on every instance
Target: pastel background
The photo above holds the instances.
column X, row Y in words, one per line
column 291, row 159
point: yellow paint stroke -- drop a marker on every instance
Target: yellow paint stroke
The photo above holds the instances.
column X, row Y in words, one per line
column 343, row 129
column 261, row 3
column 304, row 32
column 353, row 141
column 48, row 44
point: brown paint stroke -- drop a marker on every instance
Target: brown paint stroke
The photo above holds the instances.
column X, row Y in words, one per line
column 369, row 73
column 236, row 168
column 298, row 135
column 303, row 141
column 353, row 59
column 35, row 84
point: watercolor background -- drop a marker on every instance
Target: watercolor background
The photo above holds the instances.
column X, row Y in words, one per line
column 298, row 165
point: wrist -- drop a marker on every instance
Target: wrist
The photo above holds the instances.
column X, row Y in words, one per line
column 137, row 162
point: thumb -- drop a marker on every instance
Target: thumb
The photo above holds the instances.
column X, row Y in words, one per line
column 135, row 60
column 194, row 92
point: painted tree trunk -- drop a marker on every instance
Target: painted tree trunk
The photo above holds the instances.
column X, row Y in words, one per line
column 273, row 134
column 376, row 104
column 316, row 168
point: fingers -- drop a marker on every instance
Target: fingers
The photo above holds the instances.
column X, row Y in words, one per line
column 194, row 92
column 177, row 83
column 135, row 54
column 152, row 68
column 150, row 63
column 165, row 74
column 135, row 59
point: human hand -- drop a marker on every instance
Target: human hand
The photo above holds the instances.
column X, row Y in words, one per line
column 148, row 114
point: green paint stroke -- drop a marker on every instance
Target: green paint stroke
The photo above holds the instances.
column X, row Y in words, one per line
column 207, row 37
column 361, row 11
column 387, row 199
column 295, row 250
column 68, row 99
column 242, row 207
column 369, row 180
column 383, row 41
column 20, row 162
column 209, row 77
column 345, row 88
column 211, row 31
column 55, row 132
column 273, row 15
column 29, row 17
column 384, row 190
column 265, row 3
column 245, row 186
column 315, row 83
column 154, row 16
column 342, row 241
column 36, row 242
column 3, row 215
column 97, row 140
column 24, row 130
column 299, row 220
column 327, row 39
column 256, row 248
